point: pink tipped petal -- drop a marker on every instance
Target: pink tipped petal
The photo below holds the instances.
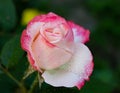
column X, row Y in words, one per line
column 80, row 84
column 89, row 68
column 48, row 18
column 25, row 41
column 80, row 34
column 73, row 73
column 27, row 38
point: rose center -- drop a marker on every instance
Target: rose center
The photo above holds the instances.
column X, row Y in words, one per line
column 53, row 35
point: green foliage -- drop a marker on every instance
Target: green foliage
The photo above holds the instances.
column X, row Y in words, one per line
column 11, row 52
column 6, row 85
column 96, row 86
column 7, row 15
column 0, row 71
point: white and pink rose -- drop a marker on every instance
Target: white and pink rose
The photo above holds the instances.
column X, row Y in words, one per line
column 55, row 47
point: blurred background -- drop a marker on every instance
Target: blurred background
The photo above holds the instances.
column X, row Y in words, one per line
column 101, row 17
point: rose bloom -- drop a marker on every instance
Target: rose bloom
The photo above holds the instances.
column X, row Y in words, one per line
column 55, row 47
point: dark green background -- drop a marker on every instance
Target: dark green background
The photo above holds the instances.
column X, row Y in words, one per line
column 102, row 17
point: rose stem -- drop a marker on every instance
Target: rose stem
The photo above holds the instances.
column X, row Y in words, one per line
column 13, row 78
column 33, row 85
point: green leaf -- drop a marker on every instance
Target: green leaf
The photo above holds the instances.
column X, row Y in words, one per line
column 11, row 52
column 7, row 14
column 106, row 76
column 6, row 84
column 96, row 86
column 4, row 37
column 0, row 71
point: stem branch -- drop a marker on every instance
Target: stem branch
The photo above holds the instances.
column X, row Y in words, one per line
column 13, row 78
column 33, row 85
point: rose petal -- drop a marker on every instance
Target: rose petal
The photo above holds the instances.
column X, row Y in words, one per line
column 50, row 17
column 27, row 38
column 80, row 34
column 47, row 56
column 73, row 73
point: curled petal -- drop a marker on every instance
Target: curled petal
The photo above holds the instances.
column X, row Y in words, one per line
column 80, row 34
column 27, row 38
column 73, row 73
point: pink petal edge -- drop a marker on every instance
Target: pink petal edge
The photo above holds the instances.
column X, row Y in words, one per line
column 25, row 41
column 80, row 34
column 50, row 17
column 89, row 69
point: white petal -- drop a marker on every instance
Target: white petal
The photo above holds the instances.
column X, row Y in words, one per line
column 73, row 73
column 60, row 77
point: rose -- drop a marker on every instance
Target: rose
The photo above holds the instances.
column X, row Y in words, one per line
column 55, row 47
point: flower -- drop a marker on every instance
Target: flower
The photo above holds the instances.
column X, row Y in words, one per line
column 55, row 47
